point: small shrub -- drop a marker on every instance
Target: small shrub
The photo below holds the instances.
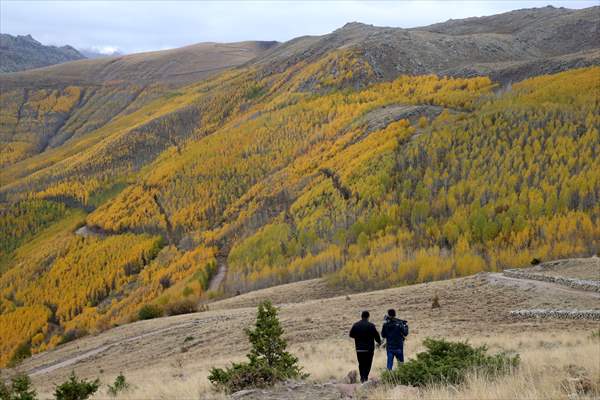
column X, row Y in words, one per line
column 245, row 375
column 120, row 385
column 75, row 389
column 150, row 311
column 268, row 362
column 187, row 291
column 165, row 282
column 182, row 307
column 435, row 303
column 170, row 95
column 72, row 334
column 203, row 308
column 20, row 389
column 4, row 391
column 22, row 352
column 448, row 363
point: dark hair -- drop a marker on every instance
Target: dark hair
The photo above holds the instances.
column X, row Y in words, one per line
column 365, row 315
column 392, row 312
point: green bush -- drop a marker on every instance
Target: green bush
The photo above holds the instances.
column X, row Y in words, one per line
column 119, row 386
column 20, row 389
column 75, row 389
column 150, row 311
column 448, row 363
column 72, row 334
column 22, row 352
column 268, row 362
column 182, row 307
column 4, row 391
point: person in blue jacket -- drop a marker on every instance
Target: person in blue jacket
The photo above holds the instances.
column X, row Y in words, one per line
column 394, row 331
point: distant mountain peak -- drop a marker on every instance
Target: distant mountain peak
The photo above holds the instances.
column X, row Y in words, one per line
column 22, row 52
column 354, row 24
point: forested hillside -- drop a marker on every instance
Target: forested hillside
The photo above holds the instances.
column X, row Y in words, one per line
column 277, row 171
column 44, row 108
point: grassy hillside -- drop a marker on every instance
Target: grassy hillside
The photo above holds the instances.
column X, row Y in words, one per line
column 44, row 108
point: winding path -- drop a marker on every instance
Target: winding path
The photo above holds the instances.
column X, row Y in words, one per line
column 524, row 283
column 219, row 277
column 44, row 369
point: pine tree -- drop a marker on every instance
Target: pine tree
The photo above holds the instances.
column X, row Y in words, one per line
column 268, row 361
column 268, row 343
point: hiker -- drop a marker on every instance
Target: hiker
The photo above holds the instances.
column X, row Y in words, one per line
column 365, row 335
column 394, row 331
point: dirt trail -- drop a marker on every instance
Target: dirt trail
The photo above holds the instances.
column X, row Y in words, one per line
column 97, row 350
column 217, row 280
column 524, row 283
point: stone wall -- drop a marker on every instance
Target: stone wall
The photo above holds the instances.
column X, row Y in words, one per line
column 581, row 284
column 593, row 315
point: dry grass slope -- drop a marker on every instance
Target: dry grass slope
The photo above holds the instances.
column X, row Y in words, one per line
column 174, row 67
column 170, row 357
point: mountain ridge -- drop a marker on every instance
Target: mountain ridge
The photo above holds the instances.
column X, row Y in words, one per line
column 191, row 63
column 23, row 52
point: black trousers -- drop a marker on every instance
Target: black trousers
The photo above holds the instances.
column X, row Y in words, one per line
column 365, row 360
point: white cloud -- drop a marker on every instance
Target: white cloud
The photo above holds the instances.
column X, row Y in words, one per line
column 107, row 50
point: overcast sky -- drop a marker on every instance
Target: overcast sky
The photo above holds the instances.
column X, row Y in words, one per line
column 133, row 26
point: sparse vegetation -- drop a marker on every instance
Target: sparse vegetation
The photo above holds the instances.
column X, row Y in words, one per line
column 76, row 389
column 268, row 360
column 20, row 389
column 72, row 334
column 184, row 306
column 22, row 352
column 150, row 311
column 120, row 385
column 435, row 302
column 449, row 363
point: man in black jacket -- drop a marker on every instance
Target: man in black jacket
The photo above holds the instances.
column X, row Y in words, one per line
column 365, row 335
column 394, row 331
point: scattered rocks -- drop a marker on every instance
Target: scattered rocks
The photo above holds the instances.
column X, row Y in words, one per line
column 334, row 390
column 581, row 284
column 347, row 390
column 243, row 393
column 352, row 377
column 593, row 315
column 404, row 392
column 296, row 390
column 370, row 384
